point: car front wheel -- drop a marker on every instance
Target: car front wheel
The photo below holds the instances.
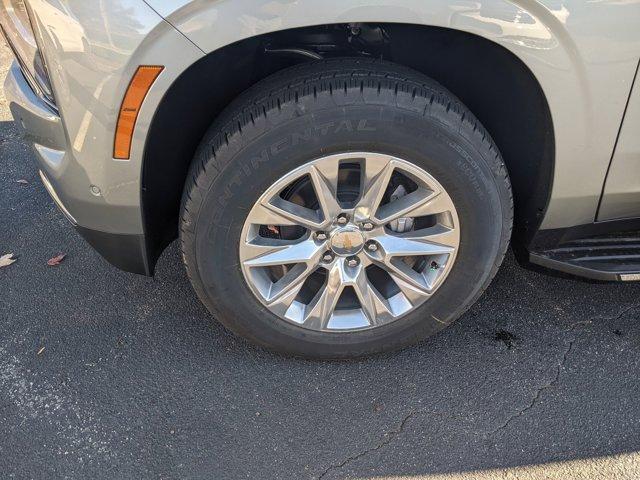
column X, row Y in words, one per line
column 344, row 207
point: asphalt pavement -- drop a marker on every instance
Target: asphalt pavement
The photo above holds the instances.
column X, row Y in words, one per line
column 105, row 374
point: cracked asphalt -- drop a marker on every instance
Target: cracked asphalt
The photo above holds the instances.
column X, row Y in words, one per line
column 105, row 374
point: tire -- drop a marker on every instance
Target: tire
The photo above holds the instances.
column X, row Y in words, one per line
column 347, row 105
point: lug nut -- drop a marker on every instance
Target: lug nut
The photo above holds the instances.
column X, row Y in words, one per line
column 367, row 226
column 327, row 257
column 352, row 261
column 321, row 236
column 372, row 246
column 342, row 219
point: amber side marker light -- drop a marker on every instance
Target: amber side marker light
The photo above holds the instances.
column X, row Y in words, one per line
column 136, row 92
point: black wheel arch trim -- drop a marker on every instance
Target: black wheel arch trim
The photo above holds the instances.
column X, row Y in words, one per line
column 128, row 252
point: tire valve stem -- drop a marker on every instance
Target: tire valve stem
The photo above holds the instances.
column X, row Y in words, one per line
column 434, row 266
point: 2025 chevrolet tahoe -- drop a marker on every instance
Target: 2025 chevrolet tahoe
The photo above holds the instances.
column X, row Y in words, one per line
column 344, row 176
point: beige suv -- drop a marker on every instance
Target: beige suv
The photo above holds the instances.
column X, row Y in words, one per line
column 344, row 176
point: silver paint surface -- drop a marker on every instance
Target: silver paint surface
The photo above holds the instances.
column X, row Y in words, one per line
column 583, row 54
column 621, row 197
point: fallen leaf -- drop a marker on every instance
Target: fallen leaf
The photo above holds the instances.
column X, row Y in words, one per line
column 57, row 260
column 6, row 260
column 23, row 181
column 41, row 350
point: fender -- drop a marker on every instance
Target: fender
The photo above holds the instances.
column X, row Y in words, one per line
column 90, row 67
column 573, row 66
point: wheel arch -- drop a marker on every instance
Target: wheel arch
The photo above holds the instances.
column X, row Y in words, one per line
column 504, row 94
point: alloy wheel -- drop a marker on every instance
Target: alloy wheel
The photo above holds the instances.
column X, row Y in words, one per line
column 349, row 242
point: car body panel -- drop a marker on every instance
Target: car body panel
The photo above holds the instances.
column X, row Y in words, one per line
column 621, row 197
column 92, row 49
column 583, row 54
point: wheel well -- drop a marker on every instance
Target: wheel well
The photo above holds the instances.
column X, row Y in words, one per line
column 491, row 81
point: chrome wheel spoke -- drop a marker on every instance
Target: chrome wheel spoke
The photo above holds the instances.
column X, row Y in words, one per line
column 438, row 235
column 325, row 189
column 408, row 277
column 281, row 212
column 408, row 280
column 376, row 176
column 414, row 291
column 265, row 255
column 394, row 246
column 298, row 261
column 284, row 291
column 364, row 293
column 404, row 206
column 372, row 303
column 436, row 203
column 319, row 311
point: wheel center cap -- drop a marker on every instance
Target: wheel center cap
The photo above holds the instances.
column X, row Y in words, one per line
column 346, row 240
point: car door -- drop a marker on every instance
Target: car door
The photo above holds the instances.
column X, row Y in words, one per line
column 621, row 195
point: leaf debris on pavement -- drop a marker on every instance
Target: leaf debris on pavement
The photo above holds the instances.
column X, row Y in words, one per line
column 7, row 259
column 57, row 260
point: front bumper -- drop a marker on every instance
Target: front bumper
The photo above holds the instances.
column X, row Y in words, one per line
column 64, row 180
